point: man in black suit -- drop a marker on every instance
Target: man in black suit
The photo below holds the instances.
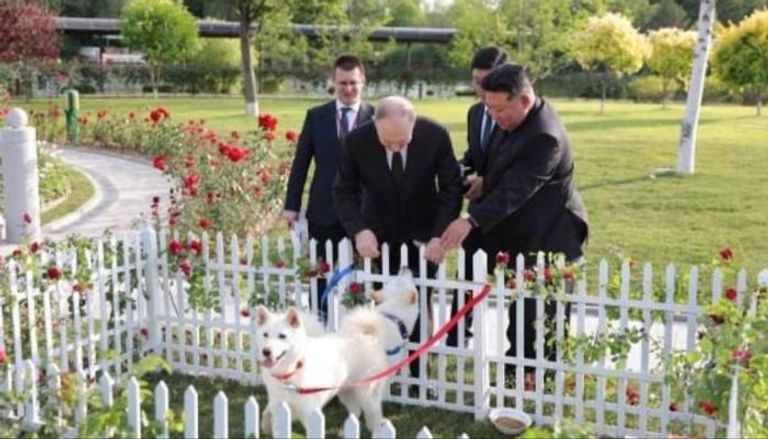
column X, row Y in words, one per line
column 406, row 167
column 480, row 129
column 325, row 127
column 528, row 202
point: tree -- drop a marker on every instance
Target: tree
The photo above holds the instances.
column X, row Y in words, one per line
column 28, row 35
column 478, row 23
column 610, row 46
column 741, row 55
column 163, row 30
column 667, row 13
column 671, row 57
column 406, row 13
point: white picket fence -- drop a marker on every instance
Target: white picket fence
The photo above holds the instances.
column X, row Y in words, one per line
column 140, row 303
column 30, row 412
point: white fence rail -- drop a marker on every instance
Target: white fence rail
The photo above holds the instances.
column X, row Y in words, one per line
column 136, row 299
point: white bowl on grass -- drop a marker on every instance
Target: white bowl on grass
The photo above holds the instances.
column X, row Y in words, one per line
column 510, row 421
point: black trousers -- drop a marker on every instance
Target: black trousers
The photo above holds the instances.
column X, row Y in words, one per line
column 322, row 233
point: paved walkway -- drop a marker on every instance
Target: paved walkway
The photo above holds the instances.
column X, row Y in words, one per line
column 124, row 187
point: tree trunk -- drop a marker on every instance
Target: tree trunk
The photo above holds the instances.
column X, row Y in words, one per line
column 249, row 79
column 153, row 76
column 687, row 150
column 602, row 96
column 759, row 105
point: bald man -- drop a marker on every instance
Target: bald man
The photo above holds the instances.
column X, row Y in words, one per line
column 398, row 182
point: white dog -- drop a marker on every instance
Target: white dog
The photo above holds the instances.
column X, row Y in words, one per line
column 292, row 359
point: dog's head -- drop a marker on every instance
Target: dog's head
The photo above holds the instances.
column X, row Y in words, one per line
column 399, row 297
column 278, row 335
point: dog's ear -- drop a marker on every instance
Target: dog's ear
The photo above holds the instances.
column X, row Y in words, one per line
column 293, row 317
column 413, row 297
column 377, row 296
column 262, row 315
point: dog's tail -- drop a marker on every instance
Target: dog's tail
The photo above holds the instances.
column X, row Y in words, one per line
column 362, row 321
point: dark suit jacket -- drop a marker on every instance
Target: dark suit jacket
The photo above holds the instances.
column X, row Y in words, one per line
column 474, row 158
column 433, row 186
column 529, row 201
column 319, row 139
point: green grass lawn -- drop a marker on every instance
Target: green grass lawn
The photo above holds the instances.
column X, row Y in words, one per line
column 662, row 219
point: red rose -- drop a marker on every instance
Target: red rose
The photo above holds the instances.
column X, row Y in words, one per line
column 224, row 148
column 53, row 273
column 195, row 246
column 186, row 267
column 267, row 121
column 731, row 294
column 312, row 273
column 27, row 218
column 742, row 356
column 245, row 313
column 280, row 263
column 3, row 356
column 144, row 332
column 356, row 288
column 511, row 283
column 204, row 223
column 172, row 221
column 78, row 288
column 323, row 267
column 568, row 275
column 502, row 258
column 34, row 247
column 174, row 247
column 269, row 136
column 633, row 395
column 291, row 136
column 548, row 273
column 17, row 253
column 101, row 114
column 265, row 177
column 159, row 163
column 707, row 407
column 155, row 200
column 673, row 407
column 529, row 275
column 236, row 154
column 191, row 180
column 726, row 254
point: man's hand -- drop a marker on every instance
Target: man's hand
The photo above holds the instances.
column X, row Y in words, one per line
column 366, row 244
column 455, row 233
column 290, row 216
column 435, row 252
column 475, row 188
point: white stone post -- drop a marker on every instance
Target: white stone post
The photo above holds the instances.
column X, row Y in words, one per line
column 18, row 149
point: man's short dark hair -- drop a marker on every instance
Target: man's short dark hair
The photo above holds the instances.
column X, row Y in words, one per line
column 488, row 58
column 348, row 63
column 510, row 78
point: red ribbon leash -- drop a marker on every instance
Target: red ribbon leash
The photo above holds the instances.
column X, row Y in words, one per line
column 415, row 354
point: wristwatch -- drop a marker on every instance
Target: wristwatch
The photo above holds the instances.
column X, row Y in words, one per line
column 469, row 219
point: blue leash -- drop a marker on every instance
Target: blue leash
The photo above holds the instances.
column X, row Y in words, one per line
column 338, row 275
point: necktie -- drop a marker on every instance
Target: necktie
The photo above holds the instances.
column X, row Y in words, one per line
column 398, row 172
column 485, row 140
column 344, row 122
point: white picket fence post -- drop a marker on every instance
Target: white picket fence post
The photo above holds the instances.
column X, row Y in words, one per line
column 252, row 418
column 282, row 419
column 134, row 406
column 480, row 365
column 31, row 408
column 190, row 410
column 220, row 416
column 154, row 290
column 161, row 407
column 352, row 427
column 18, row 149
column 316, row 425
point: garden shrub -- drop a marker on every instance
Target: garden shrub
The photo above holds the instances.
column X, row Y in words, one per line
column 646, row 89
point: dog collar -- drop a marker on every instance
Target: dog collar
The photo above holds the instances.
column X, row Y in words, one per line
column 400, row 325
column 403, row 333
column 287, row 376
